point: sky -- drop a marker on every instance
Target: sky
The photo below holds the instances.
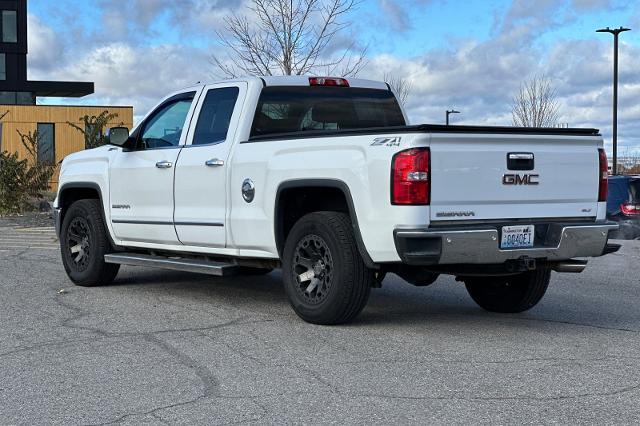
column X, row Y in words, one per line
column 471, row 55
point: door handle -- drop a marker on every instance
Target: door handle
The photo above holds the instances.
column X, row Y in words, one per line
column 164, row 164
column 214, row 162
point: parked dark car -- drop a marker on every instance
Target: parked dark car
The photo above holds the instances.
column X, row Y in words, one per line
column 623, row 205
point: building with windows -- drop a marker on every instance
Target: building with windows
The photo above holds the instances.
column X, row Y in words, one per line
column 18, row 96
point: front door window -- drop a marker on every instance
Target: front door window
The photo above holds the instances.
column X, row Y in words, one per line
column 164, row 128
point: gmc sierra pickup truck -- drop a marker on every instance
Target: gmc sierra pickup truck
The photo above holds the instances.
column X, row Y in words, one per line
column 323, row 178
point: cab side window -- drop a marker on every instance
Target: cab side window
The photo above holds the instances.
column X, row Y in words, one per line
column 164, row 128
column 215, row 116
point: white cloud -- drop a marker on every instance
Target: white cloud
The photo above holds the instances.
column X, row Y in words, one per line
column 46, row 51
column 396, row 15
column 127, row 75
column 582, row 5
column 479, row 78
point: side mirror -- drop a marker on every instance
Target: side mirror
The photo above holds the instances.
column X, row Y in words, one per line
column 117, row 136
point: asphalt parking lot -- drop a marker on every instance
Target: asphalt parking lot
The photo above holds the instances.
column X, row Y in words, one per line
column 166, row 347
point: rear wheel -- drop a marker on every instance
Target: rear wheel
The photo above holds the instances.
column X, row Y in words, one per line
column 511, row 294
column 84, row 242
column 324, row 276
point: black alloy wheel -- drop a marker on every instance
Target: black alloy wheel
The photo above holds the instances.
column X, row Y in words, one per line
column 79, row 243
column 313, row 269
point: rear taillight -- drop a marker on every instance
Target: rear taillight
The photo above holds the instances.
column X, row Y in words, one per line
column 410, row 177
column 630, row 209
column 603, row 175
column 328, row 81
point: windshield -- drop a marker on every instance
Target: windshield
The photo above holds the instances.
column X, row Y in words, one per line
column 299, row 109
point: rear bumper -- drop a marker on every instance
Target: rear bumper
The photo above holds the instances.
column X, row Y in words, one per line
column 481, row 244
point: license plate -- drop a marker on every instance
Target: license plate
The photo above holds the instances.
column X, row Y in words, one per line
column 517, row 236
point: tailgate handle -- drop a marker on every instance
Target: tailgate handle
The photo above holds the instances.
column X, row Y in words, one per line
column 520, row 161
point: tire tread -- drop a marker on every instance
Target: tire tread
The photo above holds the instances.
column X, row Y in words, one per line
column 101, row 273
column 534, row 284
column 355, row 285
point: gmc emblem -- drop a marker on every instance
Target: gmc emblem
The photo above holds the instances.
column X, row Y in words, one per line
column 516, row 179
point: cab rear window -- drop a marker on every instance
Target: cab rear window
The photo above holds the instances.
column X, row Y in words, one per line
column 283, row 110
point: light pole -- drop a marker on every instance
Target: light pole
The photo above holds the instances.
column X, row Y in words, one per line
column 453, row 111
column 615, row 32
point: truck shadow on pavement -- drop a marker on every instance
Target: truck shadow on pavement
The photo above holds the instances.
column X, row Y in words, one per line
column 396, row 304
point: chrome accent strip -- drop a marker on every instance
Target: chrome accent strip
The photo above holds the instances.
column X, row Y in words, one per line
column 520, row 156
column 214, row 162
column 199, row 223
column 149, row 222
column 140, row 222
column 482, row 246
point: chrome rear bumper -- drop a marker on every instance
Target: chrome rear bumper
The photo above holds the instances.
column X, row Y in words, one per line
column 481, row 245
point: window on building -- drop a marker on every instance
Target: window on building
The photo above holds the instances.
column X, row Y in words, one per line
column 3, row 66
column 7, row 98
column 46, row 143
column 17, row 98
column 25, row 98
column 9, row 26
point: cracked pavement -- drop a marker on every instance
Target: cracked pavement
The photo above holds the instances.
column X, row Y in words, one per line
column 164, row 347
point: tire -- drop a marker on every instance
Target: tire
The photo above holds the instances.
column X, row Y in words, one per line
column 250, row 270
column 335, row 283
column 83, row 244
column 512, row 294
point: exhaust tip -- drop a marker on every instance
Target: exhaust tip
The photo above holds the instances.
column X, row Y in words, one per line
column 570, row 266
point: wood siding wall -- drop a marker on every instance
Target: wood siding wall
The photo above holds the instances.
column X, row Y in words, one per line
column 25, row 118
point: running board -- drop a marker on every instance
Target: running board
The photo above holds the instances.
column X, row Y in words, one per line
column 200, row 266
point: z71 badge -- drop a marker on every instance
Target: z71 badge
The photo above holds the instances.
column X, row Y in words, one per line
column 395, row 141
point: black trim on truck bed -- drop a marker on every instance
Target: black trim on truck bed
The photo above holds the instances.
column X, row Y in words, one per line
column 429, row 128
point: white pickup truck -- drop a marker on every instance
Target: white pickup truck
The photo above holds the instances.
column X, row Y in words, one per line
column 323, row 178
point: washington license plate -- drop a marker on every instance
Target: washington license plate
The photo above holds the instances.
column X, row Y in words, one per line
column 519, row 236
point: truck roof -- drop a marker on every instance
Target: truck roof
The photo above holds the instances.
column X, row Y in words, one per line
column 300, row 80
column 303, row 80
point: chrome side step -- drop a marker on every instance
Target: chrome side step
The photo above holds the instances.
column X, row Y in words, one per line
column 200, row 266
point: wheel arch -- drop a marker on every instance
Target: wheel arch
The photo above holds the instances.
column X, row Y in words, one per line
column 71, row 192
column 338, row 198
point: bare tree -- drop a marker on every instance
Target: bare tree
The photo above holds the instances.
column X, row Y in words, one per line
column 535, row 105
column 400, row 85
column 289, row 37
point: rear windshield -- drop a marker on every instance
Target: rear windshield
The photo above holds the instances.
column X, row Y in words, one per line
column 299, row 109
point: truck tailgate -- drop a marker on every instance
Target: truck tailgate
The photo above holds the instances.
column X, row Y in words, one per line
column 472, row 178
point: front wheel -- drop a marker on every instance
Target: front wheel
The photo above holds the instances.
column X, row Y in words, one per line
column 511, row 294
column 325, row 278
column 84, row 242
